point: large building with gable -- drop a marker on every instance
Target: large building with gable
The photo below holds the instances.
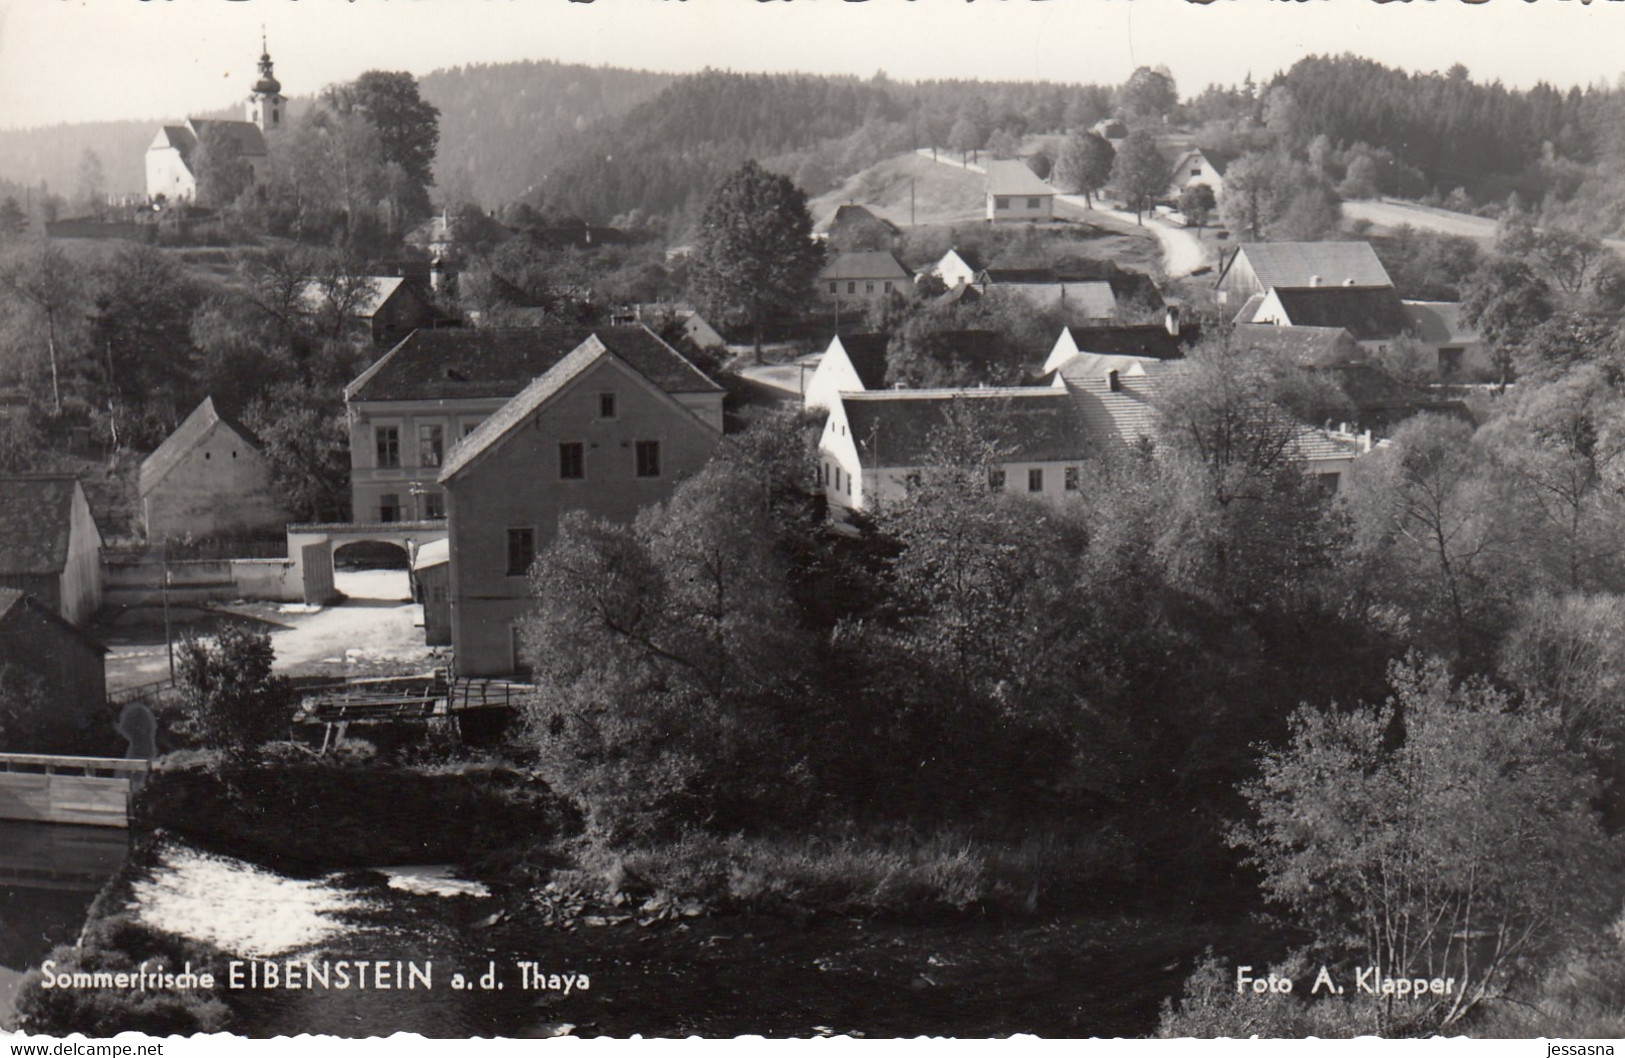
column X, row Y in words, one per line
column 172, row 159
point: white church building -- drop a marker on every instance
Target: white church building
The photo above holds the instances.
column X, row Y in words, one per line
column 170, row 158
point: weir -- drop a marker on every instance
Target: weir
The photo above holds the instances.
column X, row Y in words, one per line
column 46, row 788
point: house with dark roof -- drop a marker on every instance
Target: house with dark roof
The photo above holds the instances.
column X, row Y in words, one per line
column 209, row 477
column 1145, row 341
column 1309, row 346
column 50, row 546
column 1373, row 316
column 874, row 443
column 1016, row 193
column 853, row 363
column 387, row 308
column 64, row 665
column 861, row 276
column 1259, row 267
column 594, row 432
column 1079, row 295
column 1199, row 166
column 436, row 386
column 1459, row 350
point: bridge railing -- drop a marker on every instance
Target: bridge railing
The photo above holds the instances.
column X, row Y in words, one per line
column 57, row 764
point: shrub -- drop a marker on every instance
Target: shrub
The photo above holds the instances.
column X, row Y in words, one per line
column 234, row 700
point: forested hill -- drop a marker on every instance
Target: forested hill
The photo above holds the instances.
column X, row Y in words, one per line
column 54, row 155
column 502, row 126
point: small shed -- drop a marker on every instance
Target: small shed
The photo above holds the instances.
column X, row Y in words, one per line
column 54, row 670
column 431, row 579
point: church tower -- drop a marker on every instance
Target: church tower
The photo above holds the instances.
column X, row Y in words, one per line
column 266, row 107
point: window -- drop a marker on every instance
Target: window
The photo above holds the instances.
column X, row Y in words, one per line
column 648, row 459
column 995, row 479
column 389, row 446
column 852, row 287
column 606, row 405
column 869, row 287
column 1001, row 203
column 1196, row 170
column 572, row 460
column 521, row 551
column 837, row 479
column 431, row 445
column 834, row 287
column 1035, row 479
column 1072, row 478
column 434, row 505
column 1035, row 203
column 389, row 507
column 888, row 286
column 1328, row 482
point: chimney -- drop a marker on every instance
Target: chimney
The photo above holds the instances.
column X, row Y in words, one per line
column 1314, row 281
column 1172, row 320
column 1114, row 382
column 1349, row 281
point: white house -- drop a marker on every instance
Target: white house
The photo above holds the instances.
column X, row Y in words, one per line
column 171, row 171
column 1015, row 192
column 853, row 363
column 874, row 442
column 1196, row 166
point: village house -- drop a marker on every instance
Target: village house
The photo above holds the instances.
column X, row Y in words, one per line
column 874, row 443
column 386, row 308
column 862, row 276
column 1460, row 353
column 1016, row 193
column 434, row 387
column 207, row 478
column 50, row 546
column 1259, row 267
column 956, row 268
column 431, row 585
column 596, row 432
column 1154, row 341
column 702, row 335
column 1080, row 294
column 1198, row 166
column 41, row 651
column 854, row 227
column 853, row 363
column 1373, row 316
column 171, row 158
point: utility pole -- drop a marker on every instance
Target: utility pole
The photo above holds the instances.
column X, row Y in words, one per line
column 911, row 202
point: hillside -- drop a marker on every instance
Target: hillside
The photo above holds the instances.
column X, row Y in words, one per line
column 940, row 195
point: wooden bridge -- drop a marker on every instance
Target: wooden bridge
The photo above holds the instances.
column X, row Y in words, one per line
column 387, row 700
column 45, row 788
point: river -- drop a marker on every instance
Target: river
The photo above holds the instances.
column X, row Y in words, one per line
column 49, row 874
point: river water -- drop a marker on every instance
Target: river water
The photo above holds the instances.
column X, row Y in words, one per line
column 49, row 874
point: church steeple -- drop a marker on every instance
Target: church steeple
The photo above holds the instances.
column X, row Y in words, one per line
column 266, row 104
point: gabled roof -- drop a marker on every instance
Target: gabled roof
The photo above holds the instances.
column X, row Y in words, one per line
column 1249, row 309
column 179, row 444
column 12, row 600
column 1012, row 177
column 867, row 352
column 864, row 264
column 488, row 434
column 1122, row 415
column 1294, row 265
column 1149, row 340
column 852, row 214
column 1218, row 161
column 1305, row 345
column 455, row 363
column 895, row 428
column 434, row 553
column 969, row 258
column 247, row 135
column 36, row 520
column 1440, row 323
column 1370, row 314
column 1042, row 286
column 378, row 291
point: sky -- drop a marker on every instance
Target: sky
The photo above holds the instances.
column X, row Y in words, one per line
column 88, row 60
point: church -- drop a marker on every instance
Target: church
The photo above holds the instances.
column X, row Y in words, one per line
column 171, row 159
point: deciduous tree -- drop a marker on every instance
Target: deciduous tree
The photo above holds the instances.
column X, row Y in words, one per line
column 1085, row 165
column 1139, row 173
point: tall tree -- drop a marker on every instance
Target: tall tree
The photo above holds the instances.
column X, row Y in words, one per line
column 1139, row 173
column 1197, row 202
column 408, row 130
column 222, row 172
column 13, row 221
column 1148, row 96
column 1085, row 165
column 755, row 250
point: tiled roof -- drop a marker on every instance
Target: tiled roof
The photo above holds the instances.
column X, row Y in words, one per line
column 1137, row 339
column 868, row 355
column 1126, row 415
column 36, row 517
column 1249, row 309
column 864, row 264
column 1305, row 345
column 1440, row 323
column 1012, row 177
column 179, row 444
column 853, row 214
column 453, row 363
column 1313, row 444
column 1091, row 298
column 1295, row 265
column 1368, row 314
column 511, row 414
column 895, row 428
column 250, row 140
